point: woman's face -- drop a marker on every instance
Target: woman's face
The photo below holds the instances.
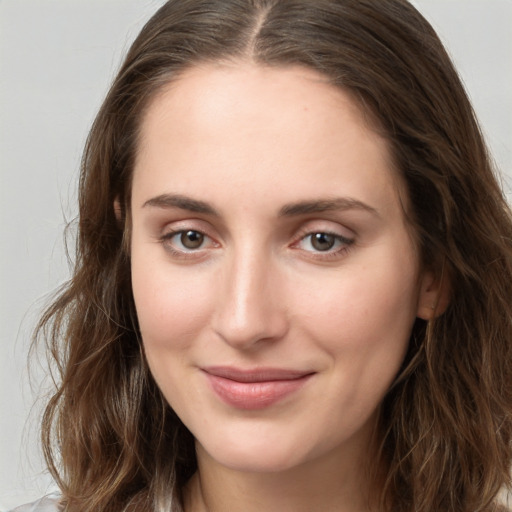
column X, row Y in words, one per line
column 274, row 276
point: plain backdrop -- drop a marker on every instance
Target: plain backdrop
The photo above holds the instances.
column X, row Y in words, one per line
column 57, row 58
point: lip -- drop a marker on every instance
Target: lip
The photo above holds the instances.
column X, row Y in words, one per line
column 253, row 389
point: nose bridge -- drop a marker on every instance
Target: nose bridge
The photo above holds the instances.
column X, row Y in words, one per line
column 250, row 307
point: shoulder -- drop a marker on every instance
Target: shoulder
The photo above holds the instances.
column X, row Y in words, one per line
column 48, row 503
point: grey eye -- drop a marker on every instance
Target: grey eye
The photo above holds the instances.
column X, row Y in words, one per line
column 191, row 239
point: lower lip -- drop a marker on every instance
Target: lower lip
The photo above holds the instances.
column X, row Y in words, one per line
column 254, row 395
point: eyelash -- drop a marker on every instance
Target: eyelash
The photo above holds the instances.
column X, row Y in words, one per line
column 343, row 242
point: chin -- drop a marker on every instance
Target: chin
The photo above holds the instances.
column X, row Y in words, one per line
column 255, row 454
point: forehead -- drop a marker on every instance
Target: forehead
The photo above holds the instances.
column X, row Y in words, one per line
column 209, row 92
column 240, row 124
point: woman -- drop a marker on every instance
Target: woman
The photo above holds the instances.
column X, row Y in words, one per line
column 293, row 275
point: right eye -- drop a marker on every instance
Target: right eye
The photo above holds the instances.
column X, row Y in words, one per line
column 186, row 241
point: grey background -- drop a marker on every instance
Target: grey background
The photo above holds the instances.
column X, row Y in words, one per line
column 57, row 58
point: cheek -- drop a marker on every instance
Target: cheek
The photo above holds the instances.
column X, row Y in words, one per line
column 172, row 305
column 365, row 309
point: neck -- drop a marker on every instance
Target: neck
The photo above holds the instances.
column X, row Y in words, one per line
column 329, row 483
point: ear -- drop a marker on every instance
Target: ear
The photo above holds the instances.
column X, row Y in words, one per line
column 434, row 295
column 118, row 212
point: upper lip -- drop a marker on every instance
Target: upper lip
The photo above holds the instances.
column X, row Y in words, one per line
column 255, row 374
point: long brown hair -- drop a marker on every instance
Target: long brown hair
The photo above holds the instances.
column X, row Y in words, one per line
column 111, row 440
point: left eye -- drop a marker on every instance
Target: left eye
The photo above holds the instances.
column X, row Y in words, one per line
column 323, row 242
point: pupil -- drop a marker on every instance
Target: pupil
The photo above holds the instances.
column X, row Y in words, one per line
column 323, row 241
column 191, row 239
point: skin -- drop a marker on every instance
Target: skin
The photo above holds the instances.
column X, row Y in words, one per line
column 249, row 148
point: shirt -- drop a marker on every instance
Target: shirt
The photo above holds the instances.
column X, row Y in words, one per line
column 48, row 503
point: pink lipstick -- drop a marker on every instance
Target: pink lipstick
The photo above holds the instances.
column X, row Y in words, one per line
column 256, row 388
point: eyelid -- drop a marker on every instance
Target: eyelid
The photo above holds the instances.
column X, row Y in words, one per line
column 327, row 227
column 186, row 224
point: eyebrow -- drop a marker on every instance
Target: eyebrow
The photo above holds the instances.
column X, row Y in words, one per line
column 289, row 210
column 326, row 205
column 182, row 202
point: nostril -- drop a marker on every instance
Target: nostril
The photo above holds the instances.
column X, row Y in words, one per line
column 247, row 324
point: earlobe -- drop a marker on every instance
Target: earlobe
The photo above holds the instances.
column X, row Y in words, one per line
column 434, row 295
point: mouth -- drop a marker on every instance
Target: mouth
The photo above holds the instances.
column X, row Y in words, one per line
column 253, row 389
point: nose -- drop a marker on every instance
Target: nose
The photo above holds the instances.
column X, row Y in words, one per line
column 251, row 307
